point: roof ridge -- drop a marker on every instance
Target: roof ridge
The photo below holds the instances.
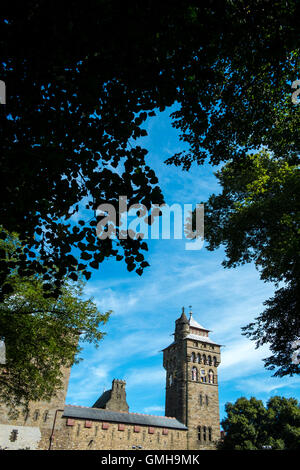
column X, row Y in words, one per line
column 126, row 412
column 145, row 414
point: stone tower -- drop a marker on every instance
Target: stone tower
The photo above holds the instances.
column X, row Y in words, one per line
column 191, row 363
column 114, row 399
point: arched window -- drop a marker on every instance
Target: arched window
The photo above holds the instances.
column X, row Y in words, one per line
column 200, row 399
column 207, row 400
column 215, row 361
column 193, row 357
column 204, row 359
column 211, row 377
column 204, row 433
column 199, row 358
column 194, row 373
column 199, row 433
column 209, row 360
column 209, row 434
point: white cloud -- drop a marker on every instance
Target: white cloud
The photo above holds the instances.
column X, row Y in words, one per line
column 144, row 315
column 151, row 409
column 241, row 358
column 269, row 385
column 148, row 376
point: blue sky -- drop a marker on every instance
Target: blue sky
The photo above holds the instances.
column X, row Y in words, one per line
column 145, row 308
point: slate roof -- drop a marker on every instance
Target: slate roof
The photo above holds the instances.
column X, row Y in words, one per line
column 102, row 400
column 98, row 414
column 204, row 339
column 194, row 324
column 183, row 318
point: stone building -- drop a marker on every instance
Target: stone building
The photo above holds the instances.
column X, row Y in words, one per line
column 191, row 363
column 191, row 418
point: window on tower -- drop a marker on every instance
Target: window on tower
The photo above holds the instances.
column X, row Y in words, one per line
column 194, row 373
column 199, row 433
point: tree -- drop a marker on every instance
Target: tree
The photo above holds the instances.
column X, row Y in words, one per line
column 80, row 85
column 41, row 335
column 249, row 425
column 256, row 218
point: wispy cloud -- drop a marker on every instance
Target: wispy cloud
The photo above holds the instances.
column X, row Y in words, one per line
column 149, row 376
column 152, row 409
column 240, row 359
column 270, row 385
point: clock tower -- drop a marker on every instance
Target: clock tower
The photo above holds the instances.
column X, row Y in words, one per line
column 191, row 363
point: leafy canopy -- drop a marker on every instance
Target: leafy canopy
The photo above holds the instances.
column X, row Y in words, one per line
column 256, row 218
column 250, row 425
column 81, row 83
column 41, row 335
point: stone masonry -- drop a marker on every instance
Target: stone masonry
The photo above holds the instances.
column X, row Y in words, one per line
column 191, row 363
column 114, row 399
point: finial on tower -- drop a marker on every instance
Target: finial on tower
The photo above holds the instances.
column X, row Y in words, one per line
column 183, row 318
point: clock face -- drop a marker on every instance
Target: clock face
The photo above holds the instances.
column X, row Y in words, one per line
column 202, row 372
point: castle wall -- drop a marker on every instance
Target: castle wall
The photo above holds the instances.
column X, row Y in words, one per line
column 80, row 434
column 33, row 429
column 19, row 437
